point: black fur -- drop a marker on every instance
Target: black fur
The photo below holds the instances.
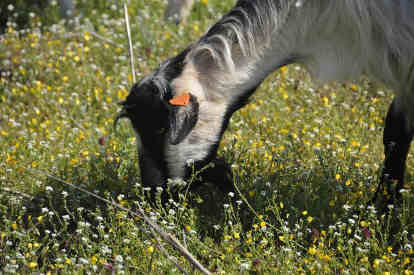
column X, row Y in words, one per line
column 397, row 139
column 149, row 117
column 182, row 120
column 146, row 106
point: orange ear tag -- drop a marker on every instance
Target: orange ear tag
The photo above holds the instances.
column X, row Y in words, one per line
column 180, row 100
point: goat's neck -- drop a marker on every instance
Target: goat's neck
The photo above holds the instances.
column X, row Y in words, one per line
column 225, row 85
column 238, row 52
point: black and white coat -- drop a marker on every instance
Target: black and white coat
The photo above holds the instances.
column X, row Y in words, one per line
column 333, row 39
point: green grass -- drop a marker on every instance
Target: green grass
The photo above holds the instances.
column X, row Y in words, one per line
column 305, row 157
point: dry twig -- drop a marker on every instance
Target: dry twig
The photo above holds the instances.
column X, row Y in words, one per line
column 18, row 193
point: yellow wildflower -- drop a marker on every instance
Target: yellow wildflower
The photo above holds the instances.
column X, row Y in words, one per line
column 376, row 263
column 354, row 87
column 406, row 261
column 86, row 36
column 227, row 237
column 312, row 250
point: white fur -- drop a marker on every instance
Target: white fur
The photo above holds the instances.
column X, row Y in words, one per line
column 188, row 81
column 206, row 133
column 335, row 40
column 207, row 130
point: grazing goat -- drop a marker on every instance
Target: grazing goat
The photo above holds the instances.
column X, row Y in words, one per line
column 180, row 111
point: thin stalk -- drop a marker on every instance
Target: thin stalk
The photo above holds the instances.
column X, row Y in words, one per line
column 131, row 52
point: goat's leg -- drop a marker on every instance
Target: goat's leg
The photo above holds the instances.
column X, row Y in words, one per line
column 398, row 134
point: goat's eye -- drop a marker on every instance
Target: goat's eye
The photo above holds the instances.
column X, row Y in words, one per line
column 161, row 131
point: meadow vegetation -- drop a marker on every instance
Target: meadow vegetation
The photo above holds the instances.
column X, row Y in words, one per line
column 306, row 159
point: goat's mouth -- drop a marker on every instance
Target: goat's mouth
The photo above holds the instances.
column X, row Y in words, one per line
column 153, row 166
column 121, row 115
column 150, row 144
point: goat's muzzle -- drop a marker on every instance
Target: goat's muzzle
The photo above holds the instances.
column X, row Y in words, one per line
column 122, row 114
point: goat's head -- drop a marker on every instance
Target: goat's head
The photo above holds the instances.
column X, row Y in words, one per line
column 174, row 127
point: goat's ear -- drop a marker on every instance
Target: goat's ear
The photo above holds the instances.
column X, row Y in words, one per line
column 183, row 116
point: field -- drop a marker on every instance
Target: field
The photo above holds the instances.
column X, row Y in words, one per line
column 306, row 159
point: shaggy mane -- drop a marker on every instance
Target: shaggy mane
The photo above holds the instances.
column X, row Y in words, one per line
column 246, row 30
column 345, row 37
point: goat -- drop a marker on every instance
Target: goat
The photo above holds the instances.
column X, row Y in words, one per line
column 212, row 78
column 178, row 10
column 66, row 8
